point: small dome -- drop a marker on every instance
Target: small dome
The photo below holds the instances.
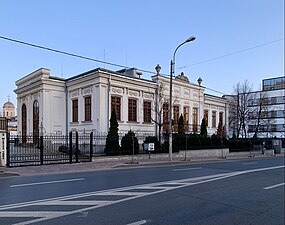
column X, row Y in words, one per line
column 8, row 105
column 182, row 77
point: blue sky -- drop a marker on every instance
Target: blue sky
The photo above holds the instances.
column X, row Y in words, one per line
column 143, row 34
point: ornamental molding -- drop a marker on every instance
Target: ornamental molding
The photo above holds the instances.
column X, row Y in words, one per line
column 86, row 91
column 195, row 94
column 35, row 96
column 177, row 91
column 133, row 93
column 214, row 107
column 186, row 103
column 148, row 96
column 186, row 92
column 117, row 90
column 73, row 94
column 195, row 104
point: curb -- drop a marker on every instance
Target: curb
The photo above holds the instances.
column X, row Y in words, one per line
column 117, row 164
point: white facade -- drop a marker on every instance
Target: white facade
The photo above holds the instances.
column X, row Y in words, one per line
column 50, row 93
column 272, row 121
column 264, row 112
column 56, row 96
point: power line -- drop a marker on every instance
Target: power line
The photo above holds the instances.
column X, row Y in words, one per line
column 70, row 54
column 121, row 66
column 233, row 53
column 215, row 91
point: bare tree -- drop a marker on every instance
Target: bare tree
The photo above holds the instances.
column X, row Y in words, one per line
column 239, row 103
column 160, row 100
column 250, row 111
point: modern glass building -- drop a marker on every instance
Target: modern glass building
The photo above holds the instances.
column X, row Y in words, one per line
column 267, row 109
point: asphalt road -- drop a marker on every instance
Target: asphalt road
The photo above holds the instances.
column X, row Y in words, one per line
column 232, row 192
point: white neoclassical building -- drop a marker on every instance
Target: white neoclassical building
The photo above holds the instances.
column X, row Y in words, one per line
column 84, row 102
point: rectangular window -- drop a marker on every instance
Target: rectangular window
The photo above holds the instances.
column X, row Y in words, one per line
column 132, row 110
column 147, row 112
column 273, row 114
column 206, row 117
column 251, row 115
column 75, row 110
column 165, row 117
column 195, row 119
column 186, row 118
column 116, row 104
column 214, row 119
column 273, row 100
column 221, row 118
column 176, row 117
column 87, row 108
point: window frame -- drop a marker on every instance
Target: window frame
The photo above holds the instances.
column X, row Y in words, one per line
column 195, row 119
column 186, row 110
column 74, row 110
column 87, row 108
column 116, row 104
column 132, row 110
column 206, row 117
column 147, row 111
column 214, row 119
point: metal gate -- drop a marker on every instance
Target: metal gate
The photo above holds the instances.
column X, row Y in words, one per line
column 49, row 149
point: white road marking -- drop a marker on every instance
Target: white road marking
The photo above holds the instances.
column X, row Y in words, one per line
column 273, row 186
column 249, row 163
column 44, row 214
column 138, row 222
column 47, row 182
column 47, row 215
column 193, row 168
column 91, row 202
column 124, row 193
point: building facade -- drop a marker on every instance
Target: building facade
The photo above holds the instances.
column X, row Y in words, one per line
column 51, row 105
column 267, row 109
column 259, row 113
column 9, row 113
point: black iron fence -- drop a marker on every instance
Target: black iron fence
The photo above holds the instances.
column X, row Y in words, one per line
column 74, row 147
column 51, row 149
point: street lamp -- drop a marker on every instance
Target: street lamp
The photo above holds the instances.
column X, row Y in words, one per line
column 172, row 68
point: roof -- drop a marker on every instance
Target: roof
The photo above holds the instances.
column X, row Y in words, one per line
column 120, row 72
column 8, row 105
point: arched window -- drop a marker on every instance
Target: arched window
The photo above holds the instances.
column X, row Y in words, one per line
column 36, row 122
column 24, row 123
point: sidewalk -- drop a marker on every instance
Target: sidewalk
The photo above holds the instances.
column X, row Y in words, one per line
column 112, row 162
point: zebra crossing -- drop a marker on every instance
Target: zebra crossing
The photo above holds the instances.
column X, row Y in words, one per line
column 46, row 209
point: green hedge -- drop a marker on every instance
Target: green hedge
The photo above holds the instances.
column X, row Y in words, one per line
column 239, row 145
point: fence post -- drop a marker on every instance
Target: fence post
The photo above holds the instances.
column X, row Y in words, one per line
column 42, row 149
column 76, row 147
column 70, row 147
column 91, row 146
column 8, row 150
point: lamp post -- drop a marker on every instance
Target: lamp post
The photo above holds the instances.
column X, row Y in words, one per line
column 172, row 68
column 199, row 110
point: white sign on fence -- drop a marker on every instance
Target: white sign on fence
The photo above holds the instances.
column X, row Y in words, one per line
column 150, row 146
